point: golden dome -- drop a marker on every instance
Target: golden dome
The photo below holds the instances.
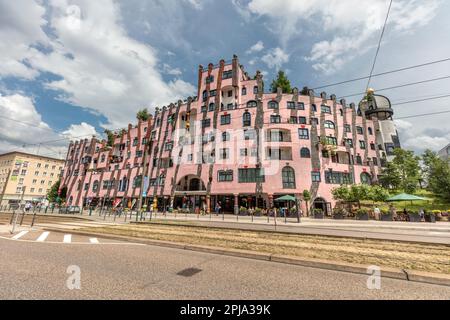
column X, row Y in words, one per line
column 370, row 91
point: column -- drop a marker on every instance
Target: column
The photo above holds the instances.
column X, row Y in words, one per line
column 236, row 204
column 208, row 203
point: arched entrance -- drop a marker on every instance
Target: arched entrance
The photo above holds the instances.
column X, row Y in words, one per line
column 190, row 193
column 321, row 203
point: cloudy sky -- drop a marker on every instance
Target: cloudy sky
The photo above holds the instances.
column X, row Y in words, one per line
column 71, row 68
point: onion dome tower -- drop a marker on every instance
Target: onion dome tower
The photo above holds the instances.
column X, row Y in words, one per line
column 379, row 109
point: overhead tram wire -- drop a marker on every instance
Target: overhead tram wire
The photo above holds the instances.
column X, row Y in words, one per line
column 382, row 73
column 399, row 86
column 379, row 45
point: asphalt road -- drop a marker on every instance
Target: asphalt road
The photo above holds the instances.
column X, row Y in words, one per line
column 38, row 270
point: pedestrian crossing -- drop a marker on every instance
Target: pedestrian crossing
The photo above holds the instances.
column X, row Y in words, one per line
column 56, row 237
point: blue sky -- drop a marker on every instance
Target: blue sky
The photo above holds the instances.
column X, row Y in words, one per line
column 70, row 69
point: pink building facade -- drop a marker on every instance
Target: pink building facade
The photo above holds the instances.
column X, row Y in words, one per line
column 235, row 145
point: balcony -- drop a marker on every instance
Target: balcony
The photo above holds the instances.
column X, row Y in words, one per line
column 278, row 154
column 115, row 159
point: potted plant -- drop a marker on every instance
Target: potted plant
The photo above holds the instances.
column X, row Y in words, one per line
column 413, row 216
column 243, row 211
column 258, row 211
column 386, row 215
column 362, row 214
column 339, row 213
column 293, row 211
column 318, row 213
column 431, row 216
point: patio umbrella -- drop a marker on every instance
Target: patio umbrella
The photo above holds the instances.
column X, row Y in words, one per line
column 286, row 198
column 405, row 197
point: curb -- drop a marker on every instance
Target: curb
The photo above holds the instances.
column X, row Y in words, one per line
column 239, row 228
column 386, row 272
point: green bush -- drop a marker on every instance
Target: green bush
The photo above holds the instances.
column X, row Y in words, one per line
column 317, row 211
column 436, row 212
column 361, row 212
column 384, row 211
column 258, row 211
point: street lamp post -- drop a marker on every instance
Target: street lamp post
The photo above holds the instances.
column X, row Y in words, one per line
column 16, row 215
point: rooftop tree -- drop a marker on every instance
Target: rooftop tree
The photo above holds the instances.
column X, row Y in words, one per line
column 281, row 81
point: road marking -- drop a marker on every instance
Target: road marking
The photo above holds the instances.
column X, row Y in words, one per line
column 20, row 234
column 67, row 238
column 43, row 236
column 93, row 240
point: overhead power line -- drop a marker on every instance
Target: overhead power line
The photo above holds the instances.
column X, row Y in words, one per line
column 379, row 44
column 420, row 100
column 399, row 86
column 382, row 73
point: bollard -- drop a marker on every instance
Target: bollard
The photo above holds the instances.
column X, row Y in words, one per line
column 90, row 211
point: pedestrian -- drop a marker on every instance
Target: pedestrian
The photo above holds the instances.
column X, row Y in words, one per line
column 376, row 212
column 422, row 214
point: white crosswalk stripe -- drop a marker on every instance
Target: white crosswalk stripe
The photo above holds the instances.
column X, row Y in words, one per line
column 20, row 234
column 67, row 238
column 93, row 240
column 43, row 236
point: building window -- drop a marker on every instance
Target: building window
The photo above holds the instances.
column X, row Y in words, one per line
column 334, row 177
column 375, row 161
column 358, row 160
column 305, row 153
column 205, row 95
column 225, row 136
column 291, row 105
column 314, row 107
column 301, row 106
column 225, row 175
column 315, row 176
column 95, row 186
column 227, row 74
column 246, row 119
column 314, row 121
column 211, row 107
column 372, row 146
column 244, row 152
column 168, row 146
column 251, row 175
column 225, row 119
column 302, row 120
column 359, row 130
column 224, row 153
column 203, row 109
column 135, row 141
column 230, row 106
column 365, row 178
column 288, row 177
column 249, row 134
column 255, row 89
column 206, row 123
column 272, row 105
column 347, row 128
column 362, row 144
column 212, row 93
column 331, row 140
column 230, row 93
column 244, row 91
column 293, row 120
column 209, row 79
column 137, row 181
column 275, row 118
column 102, row 158
column 138, row 153
column 349, row 142
column 303, row 134
column 325, row 109
column 252, row 104
column 341, row 112
column 329, row 124
column 369, row 129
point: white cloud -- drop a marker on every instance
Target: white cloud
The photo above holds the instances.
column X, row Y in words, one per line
column 80, row 130
column 197, row 4
column 275, row 58
column 20, row 28
column 402, row 125
column 353, row 25
column 171, row 71
column 100, row 67
column 257, row 47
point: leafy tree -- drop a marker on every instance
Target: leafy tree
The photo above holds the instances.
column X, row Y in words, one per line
column 403, row 172
column 281, row 81
column 437, row 174
column 341, row 193
column 52, row 195
column 378, row 194
column 307, row 198
column 110, row 137
column 354, row 193
column 143, row 114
